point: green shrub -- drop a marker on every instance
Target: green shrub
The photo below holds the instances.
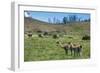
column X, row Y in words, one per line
column 45, row 33
column 55, row 36
column 29, row 34
column 40, row 35
column 86, row 37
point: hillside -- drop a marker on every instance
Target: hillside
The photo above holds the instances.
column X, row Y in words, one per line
column 36, row 25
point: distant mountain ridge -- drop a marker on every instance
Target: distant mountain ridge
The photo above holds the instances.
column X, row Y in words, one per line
column 34, row 25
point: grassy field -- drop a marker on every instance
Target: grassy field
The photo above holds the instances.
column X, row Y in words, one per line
column 37, row 48
column 45, row 48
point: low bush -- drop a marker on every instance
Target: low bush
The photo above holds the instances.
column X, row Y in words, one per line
column 86, row 37
column 40, row 35
column 29, row 34
column 55, row 36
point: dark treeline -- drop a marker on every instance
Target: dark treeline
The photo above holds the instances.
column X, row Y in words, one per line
column 67, row 19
